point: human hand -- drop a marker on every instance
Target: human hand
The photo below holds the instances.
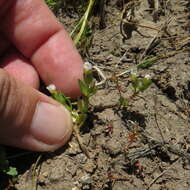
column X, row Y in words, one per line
column 32, row 43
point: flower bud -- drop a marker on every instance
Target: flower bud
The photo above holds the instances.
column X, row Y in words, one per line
column 51, row 87
column 87, row 66
column 147, row 76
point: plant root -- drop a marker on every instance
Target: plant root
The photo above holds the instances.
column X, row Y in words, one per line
column 80, row 141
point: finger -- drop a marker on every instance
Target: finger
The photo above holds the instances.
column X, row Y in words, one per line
column 59, row 65
column 36, row 33
column 28, row 23
column 20, row 68
column 30, row 119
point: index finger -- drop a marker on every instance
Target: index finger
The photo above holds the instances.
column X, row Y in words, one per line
column 37, row 34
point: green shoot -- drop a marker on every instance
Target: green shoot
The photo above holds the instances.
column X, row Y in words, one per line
column 60, row 97
column 139, row 85
column 80, row 108
column 81, row 27
column 147, row 63
column 123, row 101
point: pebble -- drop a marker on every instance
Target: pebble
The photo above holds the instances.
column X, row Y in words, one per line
column 113, row 146
column 86, row 180
column 89, row 166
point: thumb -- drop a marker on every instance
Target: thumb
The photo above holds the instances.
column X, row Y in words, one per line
column 29, row 119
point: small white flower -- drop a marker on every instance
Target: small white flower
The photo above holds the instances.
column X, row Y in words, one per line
column 51, row 87
column 147, row 77
column 87, row 66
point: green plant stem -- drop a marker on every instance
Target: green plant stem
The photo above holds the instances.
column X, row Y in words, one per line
column 84, row 21
column 76, row 27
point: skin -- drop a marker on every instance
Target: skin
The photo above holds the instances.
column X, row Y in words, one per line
column 33, row 45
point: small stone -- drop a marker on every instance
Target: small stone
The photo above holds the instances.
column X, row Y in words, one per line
column 89, row 166
column 113, row 146
column 45, row 174
column 74, row 149
column 48, row 161
column 109, row 57
column 81, row 158
column 86, row 180
column 71, row 168
column 86, row 187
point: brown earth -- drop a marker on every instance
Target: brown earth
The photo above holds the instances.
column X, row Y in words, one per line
column 147, row 145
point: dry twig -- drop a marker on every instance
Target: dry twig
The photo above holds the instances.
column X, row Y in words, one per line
column 164, row 172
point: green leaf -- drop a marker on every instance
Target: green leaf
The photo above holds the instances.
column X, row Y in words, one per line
column 81, row 119
column 12, row 172
column 83, row 105
column 88, row 77
column 51, row 2
column 145, row 83
column 147, row 63
column 123, row 102
column 83, row 88
column 60, row 97
column 92, row 89
column 135, row 81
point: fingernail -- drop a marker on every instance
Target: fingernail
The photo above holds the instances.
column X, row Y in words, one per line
column 51, row 124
